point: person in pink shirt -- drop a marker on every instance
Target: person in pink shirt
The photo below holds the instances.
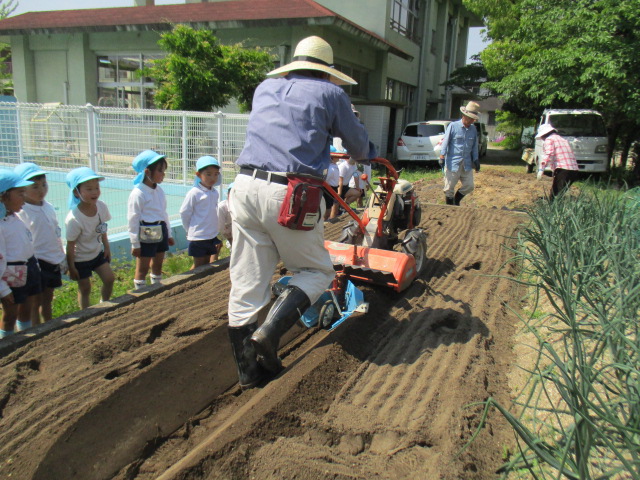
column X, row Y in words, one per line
column 559, row 157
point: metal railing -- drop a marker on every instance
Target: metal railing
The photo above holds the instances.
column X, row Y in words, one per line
column 63, row 137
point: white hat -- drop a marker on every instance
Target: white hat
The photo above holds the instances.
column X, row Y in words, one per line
column 314, row 53
column 545, row 129
column 472, row 110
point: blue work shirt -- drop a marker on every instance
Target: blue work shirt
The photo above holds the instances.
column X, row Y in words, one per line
column 459, row 145
column 291, row 124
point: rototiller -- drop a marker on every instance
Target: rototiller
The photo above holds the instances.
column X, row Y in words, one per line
column 365, row 250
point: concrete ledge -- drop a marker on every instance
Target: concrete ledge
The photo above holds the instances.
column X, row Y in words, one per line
column 15, row 341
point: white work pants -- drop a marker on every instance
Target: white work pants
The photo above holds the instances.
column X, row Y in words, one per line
column 259, row 242
column 451, row 179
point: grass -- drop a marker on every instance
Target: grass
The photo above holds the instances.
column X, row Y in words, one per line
column 65, row 298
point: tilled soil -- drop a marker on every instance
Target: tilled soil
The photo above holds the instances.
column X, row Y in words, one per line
column 146, row 390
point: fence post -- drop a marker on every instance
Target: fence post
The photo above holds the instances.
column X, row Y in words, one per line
column 220, row 116
column 91, row 137
column 19, row 128
column 185, row 149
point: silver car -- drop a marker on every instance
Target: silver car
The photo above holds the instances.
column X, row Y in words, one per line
column 420, row 142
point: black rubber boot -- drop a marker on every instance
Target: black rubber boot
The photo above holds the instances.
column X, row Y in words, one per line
column 458, row 198
column 449, row 200
column 286, row 310
column 250, row 373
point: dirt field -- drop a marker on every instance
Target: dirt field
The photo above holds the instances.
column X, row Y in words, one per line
column 146, row 390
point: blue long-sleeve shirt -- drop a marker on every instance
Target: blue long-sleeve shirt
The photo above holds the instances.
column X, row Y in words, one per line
column 291, row 124
column 459, row 145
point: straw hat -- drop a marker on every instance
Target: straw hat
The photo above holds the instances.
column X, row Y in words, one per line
column 314, row 53
column 545, row 129
column 472, row 109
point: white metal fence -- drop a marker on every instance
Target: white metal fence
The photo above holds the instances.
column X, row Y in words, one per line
column 63, row 137
column 60, row 138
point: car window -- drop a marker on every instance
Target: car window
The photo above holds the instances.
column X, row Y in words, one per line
column 430, row 130
column 579, row 125
column 411, row 131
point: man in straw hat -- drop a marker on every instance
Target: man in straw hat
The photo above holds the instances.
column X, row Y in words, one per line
column 459, row 154
column 295, row 113
column 559, row 157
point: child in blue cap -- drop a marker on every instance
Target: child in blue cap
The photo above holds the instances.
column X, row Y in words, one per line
column 149, row 230
column 19, row 271
column 199, row 212
column 88, row 248
column 40, row 218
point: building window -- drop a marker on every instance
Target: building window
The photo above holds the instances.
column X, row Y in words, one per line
column 404, row 18
column 403, row 93
column 120, row 83
column 360, row 76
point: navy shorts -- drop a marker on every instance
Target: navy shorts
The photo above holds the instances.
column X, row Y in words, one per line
column 204, row 248
column 85, row 269
column 328, row 198
column 33, row 285
column 150, row 249
column 50, row 275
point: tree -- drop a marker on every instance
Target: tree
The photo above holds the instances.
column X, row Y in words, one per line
column 469, row 77
column 566, row 53
column 6, row 84
column 7, row 8
column 199, row 74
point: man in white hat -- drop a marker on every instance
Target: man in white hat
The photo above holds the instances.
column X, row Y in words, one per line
column 295, row 113
column 559, row 157
column 459, row 154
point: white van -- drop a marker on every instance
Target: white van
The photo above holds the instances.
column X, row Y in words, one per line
column 586, row 132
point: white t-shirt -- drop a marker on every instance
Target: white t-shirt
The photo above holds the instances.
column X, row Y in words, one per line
column 146, row 204
column 199, row 213
column 15, row 246
column 41, row 220
column 85, row 232
column 346, row 171
column 361, row 183
column 333, row 175
column 224, row 219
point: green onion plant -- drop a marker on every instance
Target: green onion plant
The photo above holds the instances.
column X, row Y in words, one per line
column 579, row 414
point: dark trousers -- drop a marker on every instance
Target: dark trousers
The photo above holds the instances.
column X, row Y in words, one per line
column 562, row 179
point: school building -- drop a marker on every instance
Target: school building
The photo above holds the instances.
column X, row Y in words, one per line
column 400, row 51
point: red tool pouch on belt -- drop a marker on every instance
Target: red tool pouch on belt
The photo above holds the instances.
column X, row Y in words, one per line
column 301, row 206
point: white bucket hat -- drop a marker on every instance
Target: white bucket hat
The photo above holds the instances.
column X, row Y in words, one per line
column 314, row 53
column 545, row 129
column 472, row 109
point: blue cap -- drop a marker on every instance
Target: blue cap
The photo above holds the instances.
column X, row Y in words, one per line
column 8, row 180
column 77, row 176
column 28, row 170
column 142, row 161
column 204, row 162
